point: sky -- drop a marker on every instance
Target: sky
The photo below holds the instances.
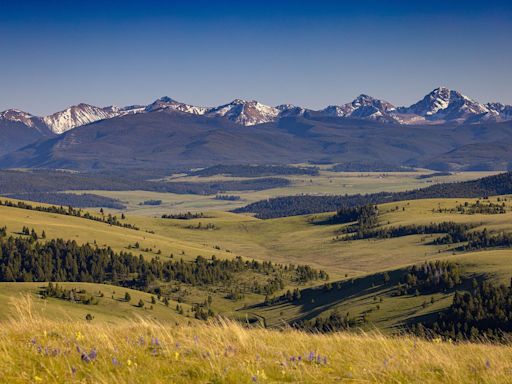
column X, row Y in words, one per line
column 309, row 53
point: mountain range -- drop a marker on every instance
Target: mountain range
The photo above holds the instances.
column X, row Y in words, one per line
column 444, row 130
column 439, row 106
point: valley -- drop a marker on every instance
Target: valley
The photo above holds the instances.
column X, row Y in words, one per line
column 326, row 182
column 357, row 264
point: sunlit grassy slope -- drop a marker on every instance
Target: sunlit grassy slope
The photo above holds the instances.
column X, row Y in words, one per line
column 36, row 350
column 111, row 306
column 118, row 238
column 299, row 240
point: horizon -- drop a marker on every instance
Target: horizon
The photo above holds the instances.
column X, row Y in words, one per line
column 307, row 54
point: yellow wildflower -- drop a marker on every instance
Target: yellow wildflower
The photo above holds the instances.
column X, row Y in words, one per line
column 176, row 355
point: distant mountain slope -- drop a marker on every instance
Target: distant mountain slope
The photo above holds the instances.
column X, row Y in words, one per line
column 446, row 130
column 18, row 129
column 159, row 140
column 167, row 138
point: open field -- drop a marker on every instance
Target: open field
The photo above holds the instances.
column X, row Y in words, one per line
column 327, row 182
column 36, row 350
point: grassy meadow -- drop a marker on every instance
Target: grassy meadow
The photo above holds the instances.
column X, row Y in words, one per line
column 326, row 183
column 299, row 240
column 37, row 350
column 111, row 307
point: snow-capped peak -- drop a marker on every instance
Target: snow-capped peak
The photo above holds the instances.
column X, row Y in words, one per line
column 446, row 104
column 128, row 110
column 166, row 103
column 367, row 101
column 503, row 111
column 18, row 116
column 362, row 107
column 440, row 105
column 75, row 116
column 245, row 112
column 286, row 110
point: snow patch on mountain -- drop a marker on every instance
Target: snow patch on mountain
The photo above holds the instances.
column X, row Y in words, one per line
column 362, row 107
column 76, row 116
column 439, row 106
column 18, row 116
column 443, row 104
column 166, row 103
column 245, row 112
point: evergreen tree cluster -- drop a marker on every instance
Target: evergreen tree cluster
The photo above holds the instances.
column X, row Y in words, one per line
column 184, row 216
column 77, row 200
column 151, row 202
column 365, row 216
column 332, row 323
column 483, row 312
column 36, row 181
column 227, row 197
column 483, row 239
column 26, row 259
column 73, row 295
column 430, row 277
column 253, row 170
column 479, row 207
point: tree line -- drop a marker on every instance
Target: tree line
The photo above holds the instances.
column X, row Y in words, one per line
column 23, row 258
column 82, row 200
column 254, row 170
column 70, row 211
column 485, row 208
column 307, row 204
column 37, row 181
column 455, row 232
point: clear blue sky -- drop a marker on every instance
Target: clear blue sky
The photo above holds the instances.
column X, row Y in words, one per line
column 309, row 53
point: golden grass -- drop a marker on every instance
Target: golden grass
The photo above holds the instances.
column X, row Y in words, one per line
column 110, row 308
column 34, row 349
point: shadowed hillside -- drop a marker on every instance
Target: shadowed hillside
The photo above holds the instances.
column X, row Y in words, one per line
column 159, row 140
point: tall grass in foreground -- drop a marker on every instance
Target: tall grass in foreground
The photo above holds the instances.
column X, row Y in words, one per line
column 38, row 350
